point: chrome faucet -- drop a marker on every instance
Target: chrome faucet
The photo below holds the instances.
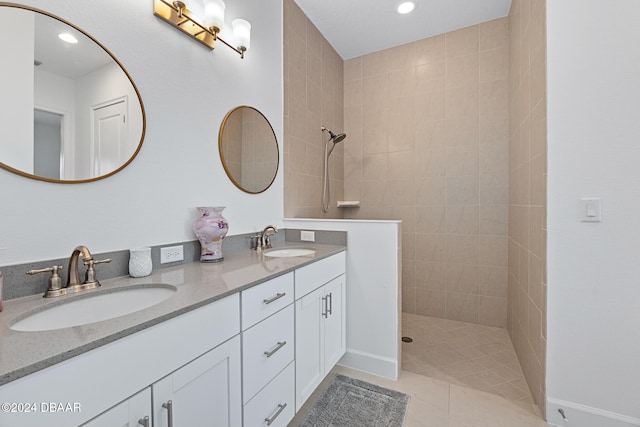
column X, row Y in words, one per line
column 74, row 276
column 263, row 238
column 73, row 281
column 266, row 237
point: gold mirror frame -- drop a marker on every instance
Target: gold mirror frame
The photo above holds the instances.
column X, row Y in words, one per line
column 126, row 73
column 268, row 170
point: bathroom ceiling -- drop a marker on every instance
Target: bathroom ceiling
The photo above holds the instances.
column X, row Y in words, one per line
column 358, row 27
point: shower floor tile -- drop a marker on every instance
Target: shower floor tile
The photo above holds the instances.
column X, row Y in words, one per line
column 465, row 354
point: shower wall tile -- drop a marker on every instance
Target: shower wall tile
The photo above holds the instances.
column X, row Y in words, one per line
column 527, row 193
column 432, row 131
column 314, row 96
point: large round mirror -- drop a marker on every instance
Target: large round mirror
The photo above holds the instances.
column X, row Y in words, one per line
column 248, row 149
column 69, row 112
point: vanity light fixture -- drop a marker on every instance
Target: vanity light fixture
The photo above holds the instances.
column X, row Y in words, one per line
column 406, row 7
column 203, row 29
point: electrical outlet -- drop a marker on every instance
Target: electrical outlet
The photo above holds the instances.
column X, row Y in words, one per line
column 171, row 254
column 307, row 236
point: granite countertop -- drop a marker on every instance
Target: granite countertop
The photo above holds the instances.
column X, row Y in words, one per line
column 197, row 284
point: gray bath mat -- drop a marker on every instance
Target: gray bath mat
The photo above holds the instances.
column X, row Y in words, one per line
column 353, row 403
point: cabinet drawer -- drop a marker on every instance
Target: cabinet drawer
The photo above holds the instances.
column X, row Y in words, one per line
column 264, row 299
column 275, row 402
column 266, row 349
column 317, row 274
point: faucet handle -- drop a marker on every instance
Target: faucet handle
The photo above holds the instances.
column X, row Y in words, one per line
column 55, row 281
column 90, row 275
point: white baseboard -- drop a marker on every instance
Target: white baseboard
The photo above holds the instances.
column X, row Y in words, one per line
column 371, row 363
column 585, row 416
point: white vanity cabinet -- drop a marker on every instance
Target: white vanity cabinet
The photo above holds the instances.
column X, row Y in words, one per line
column 320, row 322
column 135, row 411
column 268, row 383
column 205, row 392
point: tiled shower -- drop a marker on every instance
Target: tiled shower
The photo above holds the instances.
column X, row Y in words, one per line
column 447, row 134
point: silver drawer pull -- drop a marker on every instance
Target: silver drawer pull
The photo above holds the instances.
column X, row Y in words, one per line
column 276, row 348
column 272, row 299
column 144, row 422
column 273, row 417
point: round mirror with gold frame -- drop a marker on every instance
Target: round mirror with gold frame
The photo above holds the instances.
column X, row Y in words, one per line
column 248, row 149
column 69, row 111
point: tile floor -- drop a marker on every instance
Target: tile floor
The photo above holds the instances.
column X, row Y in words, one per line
column 475, row 356
column 457, row 375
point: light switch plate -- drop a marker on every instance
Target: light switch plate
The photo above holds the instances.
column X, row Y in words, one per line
column 590, row 209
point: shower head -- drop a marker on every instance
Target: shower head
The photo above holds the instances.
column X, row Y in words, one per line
column 335, row 138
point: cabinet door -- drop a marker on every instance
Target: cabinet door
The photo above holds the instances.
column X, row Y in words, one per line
column 335, row 327
column 130, row 413
column 204, row 392
column 309, row 349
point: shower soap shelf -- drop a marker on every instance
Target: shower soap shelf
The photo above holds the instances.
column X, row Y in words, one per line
column 348, row 203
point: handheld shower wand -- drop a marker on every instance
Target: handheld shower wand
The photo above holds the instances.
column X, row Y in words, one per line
column 326, row 190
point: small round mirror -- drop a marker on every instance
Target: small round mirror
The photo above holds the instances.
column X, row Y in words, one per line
column 70, row 111
column 248, row 149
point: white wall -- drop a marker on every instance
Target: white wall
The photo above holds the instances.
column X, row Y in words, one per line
column 593, row 368
column 186, row 91
column 16, row 91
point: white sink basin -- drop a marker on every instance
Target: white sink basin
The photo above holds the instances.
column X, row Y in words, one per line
column 289, row 252
column 95, row 308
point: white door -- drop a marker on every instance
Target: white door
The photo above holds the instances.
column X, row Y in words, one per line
column 204, row 393
column 335, row 327
column 130, row 413
column 309, row 348
column 109, row 137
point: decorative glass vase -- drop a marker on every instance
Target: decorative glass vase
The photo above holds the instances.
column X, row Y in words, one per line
column 140, row 264
column 210, row 230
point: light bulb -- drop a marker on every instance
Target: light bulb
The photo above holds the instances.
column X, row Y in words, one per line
column 69, row 38
column 406, row 7
column 214, row 13
column 242, row 33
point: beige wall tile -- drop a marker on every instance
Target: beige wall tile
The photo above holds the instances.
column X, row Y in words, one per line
column 429, row 162
column 462, row 249
column 462, row 219
column 463, row 160
column 493, row 64
column 462, row 278
column 431, row 49
column 462, row 42
column 463, row 190
column 374, row 64
column 431, row 191
column 492, row 311
column 493, row 34
column 431, row 275
column 431, row 302
column 462, row 71
column 463, row 307
column 493, row 219
column 431, row 247
column 492, row 282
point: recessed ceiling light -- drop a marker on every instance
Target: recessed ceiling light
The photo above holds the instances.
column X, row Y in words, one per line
column 68, row 38
column 406, row 7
